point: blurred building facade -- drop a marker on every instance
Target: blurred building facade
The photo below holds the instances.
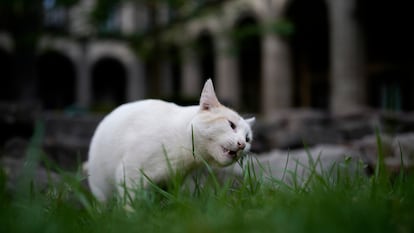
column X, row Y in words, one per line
column 263, row 55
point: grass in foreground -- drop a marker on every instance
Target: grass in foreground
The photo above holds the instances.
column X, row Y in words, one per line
column 346, row 204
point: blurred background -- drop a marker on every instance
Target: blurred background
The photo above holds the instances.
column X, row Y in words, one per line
column 67, row 62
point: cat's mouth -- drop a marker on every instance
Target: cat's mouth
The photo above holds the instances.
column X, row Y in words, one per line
column 231, row 153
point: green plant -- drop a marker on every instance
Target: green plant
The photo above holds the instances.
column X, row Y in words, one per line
column 328, row 201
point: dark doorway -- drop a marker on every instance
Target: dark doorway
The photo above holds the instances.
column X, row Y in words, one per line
column 205, row 51
column 248, row 41
column 389, row 49
column 56, row 80
column 8, row 86
column 108, row 84
column 174, row 57
column 310, row 53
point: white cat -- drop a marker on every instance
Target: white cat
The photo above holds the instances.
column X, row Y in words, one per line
column 133, row 142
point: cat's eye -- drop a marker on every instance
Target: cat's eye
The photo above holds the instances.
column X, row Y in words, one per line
column 247, row 139
column 232, row 125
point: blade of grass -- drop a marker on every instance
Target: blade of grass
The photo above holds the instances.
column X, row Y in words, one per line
column 380, row 174
column 401, row 176
column 157, row 188
column 25, row 183
column 192, row 142
column 285, row 167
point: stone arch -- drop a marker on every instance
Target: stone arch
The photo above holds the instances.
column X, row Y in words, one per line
column 243, row 10
column 56, row 80
column 309, row 45
column 257, row 9
column 135, row 83
column 8, row 85
column 76, row 52
column 247, row 38
column 69, row 48
column 109, row 80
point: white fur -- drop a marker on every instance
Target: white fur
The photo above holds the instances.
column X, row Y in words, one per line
column 133, row 142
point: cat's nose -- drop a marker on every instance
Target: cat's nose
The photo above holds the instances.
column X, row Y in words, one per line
column 241, row 145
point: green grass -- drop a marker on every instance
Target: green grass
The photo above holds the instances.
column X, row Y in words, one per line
column 380, row 203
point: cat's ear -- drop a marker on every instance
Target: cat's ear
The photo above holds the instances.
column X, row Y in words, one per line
column 208, row 97
column 250, row 121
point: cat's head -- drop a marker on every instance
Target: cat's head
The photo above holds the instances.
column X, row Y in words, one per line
column 221, row 135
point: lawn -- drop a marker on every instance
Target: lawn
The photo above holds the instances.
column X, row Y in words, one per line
column 346, row 203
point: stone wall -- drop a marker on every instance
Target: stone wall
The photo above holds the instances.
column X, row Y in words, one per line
column 296, row 128
column 287, row 129
column 65, row 138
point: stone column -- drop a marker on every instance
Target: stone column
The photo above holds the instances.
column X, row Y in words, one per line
column 83, row 82
column 128, row 18
column 136, row 80
column 347, row 75
column 84, row 76
column 166, row 78
column 276, row 79
column 191, row 80
column 228, row 83
column 79, row 24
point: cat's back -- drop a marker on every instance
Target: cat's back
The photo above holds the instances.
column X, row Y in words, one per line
column 141, row 112
column 141, row 119
column 142, row 108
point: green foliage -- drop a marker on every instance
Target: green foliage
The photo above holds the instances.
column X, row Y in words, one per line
column 282, row 27
column 331, row 201
column 103, row 9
